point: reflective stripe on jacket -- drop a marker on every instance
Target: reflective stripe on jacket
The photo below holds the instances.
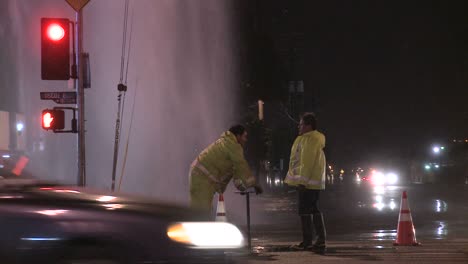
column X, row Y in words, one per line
column 307, row 162
column 224, row 160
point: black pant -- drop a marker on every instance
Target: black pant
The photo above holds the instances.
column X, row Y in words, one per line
column 308, row 201
column 307, row 206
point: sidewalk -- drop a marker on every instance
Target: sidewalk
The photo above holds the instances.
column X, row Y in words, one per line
column 432, row 251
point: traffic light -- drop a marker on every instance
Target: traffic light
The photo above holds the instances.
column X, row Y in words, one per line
column 55, row 49
column 53, row 119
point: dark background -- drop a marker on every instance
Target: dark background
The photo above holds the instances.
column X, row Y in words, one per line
column 387, row 79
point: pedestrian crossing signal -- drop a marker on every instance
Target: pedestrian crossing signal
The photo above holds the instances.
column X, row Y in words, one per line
column 53, row 119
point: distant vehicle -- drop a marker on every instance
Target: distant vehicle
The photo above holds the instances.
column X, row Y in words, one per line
column 377, row 177
column 48, row 223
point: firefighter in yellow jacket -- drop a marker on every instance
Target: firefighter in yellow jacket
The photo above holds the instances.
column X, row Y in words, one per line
column 216, row 165
column 307, row 173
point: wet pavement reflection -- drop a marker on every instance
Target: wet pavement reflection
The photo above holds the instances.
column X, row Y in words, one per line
column 362, row 211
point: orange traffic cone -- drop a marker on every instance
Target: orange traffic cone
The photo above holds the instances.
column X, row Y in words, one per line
column 220, row 210
column 19, row 166
column 406, row 235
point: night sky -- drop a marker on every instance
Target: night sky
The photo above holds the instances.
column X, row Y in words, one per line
column 389, row 76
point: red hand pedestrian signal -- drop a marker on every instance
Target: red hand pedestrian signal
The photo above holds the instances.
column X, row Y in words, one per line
column 53, row 119
column 47, row 120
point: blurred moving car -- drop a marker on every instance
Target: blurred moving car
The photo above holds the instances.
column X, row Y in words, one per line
column 47, row 223
column 377, row 177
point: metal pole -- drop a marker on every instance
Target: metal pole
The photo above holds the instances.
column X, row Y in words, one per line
column 81, row 104
column 116, row 141
column 248, row 220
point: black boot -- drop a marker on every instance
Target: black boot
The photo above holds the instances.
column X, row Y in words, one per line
column 306, row 222
column 319, row 225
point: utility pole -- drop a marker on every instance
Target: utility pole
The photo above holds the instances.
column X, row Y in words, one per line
column 79, row 84
column 81, row 103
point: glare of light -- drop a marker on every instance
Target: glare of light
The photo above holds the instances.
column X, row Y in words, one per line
column 436, row 149
column 105, row 198
column 10, row 196
column 438, row 206
column 427, row 167
column 66, row 191
column 113, row 206
column 392, row 205
column 379, row 198
column 277, row 182
column 6, row 156
column 342, row 171
column 392, row 178
column 40, row 238
column 442, row 148
column 441, row 229
column 1, row 166
column 379, row 190
column 378, row 178
column 19, row 127
column 55, row 32
column 437, row 166
column 51, row 212
column 379, row 206
column 380, row 235
column 206, row 234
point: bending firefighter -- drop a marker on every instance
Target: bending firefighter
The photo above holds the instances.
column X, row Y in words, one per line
column 216, row 165
column 307, row 173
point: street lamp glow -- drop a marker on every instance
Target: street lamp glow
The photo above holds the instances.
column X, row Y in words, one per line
column 19, row 127
column 427, row 167
column 436, row 149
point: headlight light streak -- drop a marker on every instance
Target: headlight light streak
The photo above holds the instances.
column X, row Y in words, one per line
column 206, row 234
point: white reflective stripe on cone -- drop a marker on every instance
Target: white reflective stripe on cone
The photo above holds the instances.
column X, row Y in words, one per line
column 405, row 218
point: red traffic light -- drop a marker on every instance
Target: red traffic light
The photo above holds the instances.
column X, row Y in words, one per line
column 55, row 49
column 55, row 32
column 53, row 119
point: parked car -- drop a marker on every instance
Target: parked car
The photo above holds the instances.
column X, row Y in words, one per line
column 49, row 223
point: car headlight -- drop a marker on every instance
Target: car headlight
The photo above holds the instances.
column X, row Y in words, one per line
column 392, row 178
column 206, row 234
column 378, row 178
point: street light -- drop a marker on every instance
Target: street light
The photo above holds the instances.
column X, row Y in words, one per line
column 19, row 127
column 436, row 150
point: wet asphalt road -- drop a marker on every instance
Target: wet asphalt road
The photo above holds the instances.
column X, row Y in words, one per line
column 363, row 212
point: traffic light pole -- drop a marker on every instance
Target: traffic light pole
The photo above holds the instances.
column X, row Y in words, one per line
column 81, row 103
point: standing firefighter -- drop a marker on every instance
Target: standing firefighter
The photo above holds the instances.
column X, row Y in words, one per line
column 216, row 165
column 307, row 173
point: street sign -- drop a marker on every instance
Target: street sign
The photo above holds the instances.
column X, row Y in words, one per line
column 77, row 4
column 65, row 101
column 60, row 97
